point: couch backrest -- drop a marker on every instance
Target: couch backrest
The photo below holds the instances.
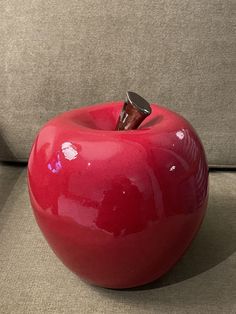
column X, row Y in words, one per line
column 58, row 55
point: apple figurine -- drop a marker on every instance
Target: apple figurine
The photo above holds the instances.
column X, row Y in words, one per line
column 118, row 205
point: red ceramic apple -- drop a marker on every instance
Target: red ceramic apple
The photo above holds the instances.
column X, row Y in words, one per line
column 119, row 208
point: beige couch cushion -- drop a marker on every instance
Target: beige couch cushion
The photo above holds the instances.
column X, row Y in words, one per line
column 57, row 55
column 33, row 280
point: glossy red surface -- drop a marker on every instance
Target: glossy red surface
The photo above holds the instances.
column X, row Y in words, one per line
column 119, row 208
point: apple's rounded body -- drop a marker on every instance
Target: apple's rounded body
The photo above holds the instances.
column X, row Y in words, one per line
column 119, row 208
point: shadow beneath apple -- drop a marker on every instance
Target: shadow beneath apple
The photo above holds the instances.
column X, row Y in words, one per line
column 215, row 242
column 9, row 171
column 5, row 152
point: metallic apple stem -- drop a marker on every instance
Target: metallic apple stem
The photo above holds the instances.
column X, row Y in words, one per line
column 134, row 111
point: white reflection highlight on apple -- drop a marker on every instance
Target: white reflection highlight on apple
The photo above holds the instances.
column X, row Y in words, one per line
column 69, row 150
column 180, row 134
column 172, row 168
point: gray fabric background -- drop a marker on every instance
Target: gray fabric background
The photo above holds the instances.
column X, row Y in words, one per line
column 33, row 280
column 56, row 55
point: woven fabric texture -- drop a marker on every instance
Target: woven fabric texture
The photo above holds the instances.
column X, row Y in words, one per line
column 55, row 56
column 33, row 280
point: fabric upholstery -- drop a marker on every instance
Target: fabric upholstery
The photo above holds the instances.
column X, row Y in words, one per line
column 33, row 280
column 57, row 55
